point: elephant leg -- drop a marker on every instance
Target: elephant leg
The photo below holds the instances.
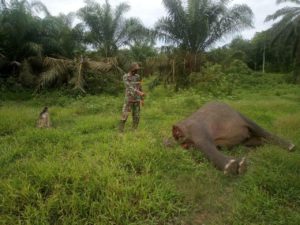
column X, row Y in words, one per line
column 253, row 142
column 258, row 131
column 205, row 144
column 222, row 162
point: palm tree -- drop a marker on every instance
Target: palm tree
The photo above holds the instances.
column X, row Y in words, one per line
column 19, row 28
column 198, row 24
column 59, row 37
column 108, row 30
column 192, row 26
column 2, row 4
column 287, row 30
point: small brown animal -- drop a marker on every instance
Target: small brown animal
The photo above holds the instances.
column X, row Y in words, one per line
column 215, row 125
column 44, row 119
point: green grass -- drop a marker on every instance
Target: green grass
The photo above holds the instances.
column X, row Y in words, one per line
column 82, row 171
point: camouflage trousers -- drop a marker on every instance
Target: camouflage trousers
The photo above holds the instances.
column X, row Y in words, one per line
column 133, row 107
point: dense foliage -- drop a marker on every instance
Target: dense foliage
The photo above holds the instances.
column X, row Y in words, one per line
column 30, row 36
column 200, row 23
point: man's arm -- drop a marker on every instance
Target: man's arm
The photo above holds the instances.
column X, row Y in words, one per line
column 131, row 86
column 140, row 89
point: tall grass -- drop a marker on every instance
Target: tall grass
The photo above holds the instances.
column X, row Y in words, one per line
column 82, row 171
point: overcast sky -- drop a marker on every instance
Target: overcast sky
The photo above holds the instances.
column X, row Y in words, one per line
column 150, row 10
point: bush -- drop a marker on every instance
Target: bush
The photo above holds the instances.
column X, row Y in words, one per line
column 238, row 67
column 26, row 78
column 213, row 80
column 261, row 80
column 110, row 83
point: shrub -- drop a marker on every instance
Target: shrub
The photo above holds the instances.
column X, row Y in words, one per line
column 26, row 78
column 238, row 67
column 110, row 83
column 213, row 80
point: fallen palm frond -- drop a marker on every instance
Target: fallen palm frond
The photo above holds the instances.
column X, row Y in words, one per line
column 99, row 66
column 111, row 60
column 74, row 72
column 56, row 68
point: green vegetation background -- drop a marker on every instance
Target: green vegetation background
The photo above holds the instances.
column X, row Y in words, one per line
column 82, row 171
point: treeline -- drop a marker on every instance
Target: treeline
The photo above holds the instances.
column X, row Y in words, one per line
column 41, row 51
column 261, row 53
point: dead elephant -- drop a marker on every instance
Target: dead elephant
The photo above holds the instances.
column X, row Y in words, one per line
column 218, row 125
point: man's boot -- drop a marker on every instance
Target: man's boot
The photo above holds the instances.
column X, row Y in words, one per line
column 122, row 126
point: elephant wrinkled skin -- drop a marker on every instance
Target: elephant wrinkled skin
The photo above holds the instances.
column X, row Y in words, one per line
column 218, row 125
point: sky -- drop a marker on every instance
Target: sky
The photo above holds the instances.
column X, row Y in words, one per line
column 149, row 11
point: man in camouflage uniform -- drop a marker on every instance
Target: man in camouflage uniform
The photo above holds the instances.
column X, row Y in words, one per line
column 134, row 96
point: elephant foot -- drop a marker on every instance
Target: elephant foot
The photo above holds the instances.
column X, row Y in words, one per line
column 291, row 147
column 242, row 166
column 231, row 167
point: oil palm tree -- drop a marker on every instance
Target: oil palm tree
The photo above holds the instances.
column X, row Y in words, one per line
column 20, row 28
column 287, row 30
column 197, row 24
column 108, row 30
column 2, row 4
column 59, row 38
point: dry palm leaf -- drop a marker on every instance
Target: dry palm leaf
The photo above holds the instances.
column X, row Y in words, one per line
column 99, row 66
column 57, row 68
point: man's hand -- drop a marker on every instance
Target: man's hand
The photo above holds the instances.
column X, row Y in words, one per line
column 142, row 94
column 142, row 102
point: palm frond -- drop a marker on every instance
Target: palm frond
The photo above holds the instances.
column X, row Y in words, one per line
column 108, row 30
column 166, row 31
column 3, row 4
column 132, row 31
column 67, row 19
column 201, row 23
column 291, row 11
column 99, row 66
column 33, row 47
column 287, row 29
column 48, row 77
column 38, row 6
column 119, row 12
column 292, row 1
column 56, row 68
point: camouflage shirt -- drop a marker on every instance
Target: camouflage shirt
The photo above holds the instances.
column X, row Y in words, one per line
column 132, row 85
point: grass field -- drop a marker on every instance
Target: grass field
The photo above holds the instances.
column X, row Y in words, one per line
column 82, row 171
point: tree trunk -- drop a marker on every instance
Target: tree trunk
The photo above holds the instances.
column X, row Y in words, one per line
column 173, row 71
column 264, row 59
column 297, row 65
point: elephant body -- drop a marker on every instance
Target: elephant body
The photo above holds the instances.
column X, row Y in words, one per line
column 218, row 125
